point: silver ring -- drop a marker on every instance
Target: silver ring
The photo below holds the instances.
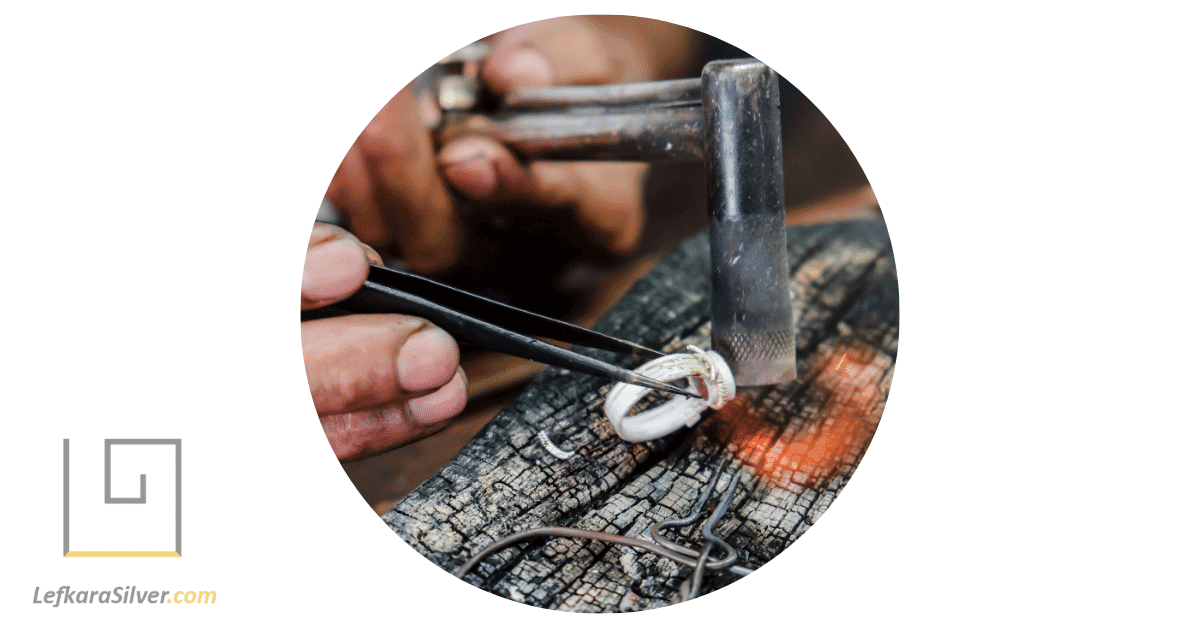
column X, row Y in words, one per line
column 700, row 367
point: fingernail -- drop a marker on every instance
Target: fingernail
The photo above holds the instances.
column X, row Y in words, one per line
column 476, row 178
column 527, row 68
column 465, row 149
column 467, row 165
column 333, row 269
column 442, row 404
column 427, row 360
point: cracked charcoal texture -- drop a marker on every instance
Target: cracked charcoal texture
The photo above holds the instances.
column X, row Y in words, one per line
column 795, row 445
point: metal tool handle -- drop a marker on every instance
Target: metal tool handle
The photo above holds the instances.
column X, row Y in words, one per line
column 657, row 135
column 653, row 121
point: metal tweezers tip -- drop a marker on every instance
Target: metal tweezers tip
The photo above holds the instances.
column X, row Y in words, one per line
column 680, row 391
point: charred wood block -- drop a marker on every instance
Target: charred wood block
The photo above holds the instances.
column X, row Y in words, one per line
column 795, row 445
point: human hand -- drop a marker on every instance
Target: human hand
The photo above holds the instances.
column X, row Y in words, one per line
column 388, row 185
column 380, row 380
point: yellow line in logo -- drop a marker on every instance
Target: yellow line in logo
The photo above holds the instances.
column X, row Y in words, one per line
column 73, row 554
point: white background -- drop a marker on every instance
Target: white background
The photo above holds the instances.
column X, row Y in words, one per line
column 1036, row 162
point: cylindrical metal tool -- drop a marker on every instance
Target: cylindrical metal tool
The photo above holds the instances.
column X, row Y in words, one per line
column 751, row 309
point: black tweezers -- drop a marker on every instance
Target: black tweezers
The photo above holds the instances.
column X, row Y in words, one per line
column 489, row 324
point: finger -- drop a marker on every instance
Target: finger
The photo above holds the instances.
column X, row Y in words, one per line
column 374, row 430
column 604, row 198
column 363, row 361
column 334, row 267
column 563, row 51
column 352, row 191
column 416, row 207
column 469, row 164
column 607, row 198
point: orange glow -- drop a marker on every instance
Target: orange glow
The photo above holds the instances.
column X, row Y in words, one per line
column 809, row 449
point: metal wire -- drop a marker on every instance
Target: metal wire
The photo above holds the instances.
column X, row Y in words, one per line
column 730, row 555
column 691, row 588
column 700, row 561
column 577, row 533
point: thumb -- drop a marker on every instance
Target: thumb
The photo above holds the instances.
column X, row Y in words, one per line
column 335, row 266
column 564, row 51
column 525, row 66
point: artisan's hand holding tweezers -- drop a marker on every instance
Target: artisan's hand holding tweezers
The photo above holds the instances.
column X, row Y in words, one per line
column 490, row 325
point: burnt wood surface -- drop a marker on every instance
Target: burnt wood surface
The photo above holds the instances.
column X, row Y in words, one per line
column 795, row 445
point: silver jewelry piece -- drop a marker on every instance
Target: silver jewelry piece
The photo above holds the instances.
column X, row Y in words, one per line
column 554, row 450
column 699, row 367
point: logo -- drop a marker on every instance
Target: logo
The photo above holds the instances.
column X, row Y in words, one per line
column 123, row 516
